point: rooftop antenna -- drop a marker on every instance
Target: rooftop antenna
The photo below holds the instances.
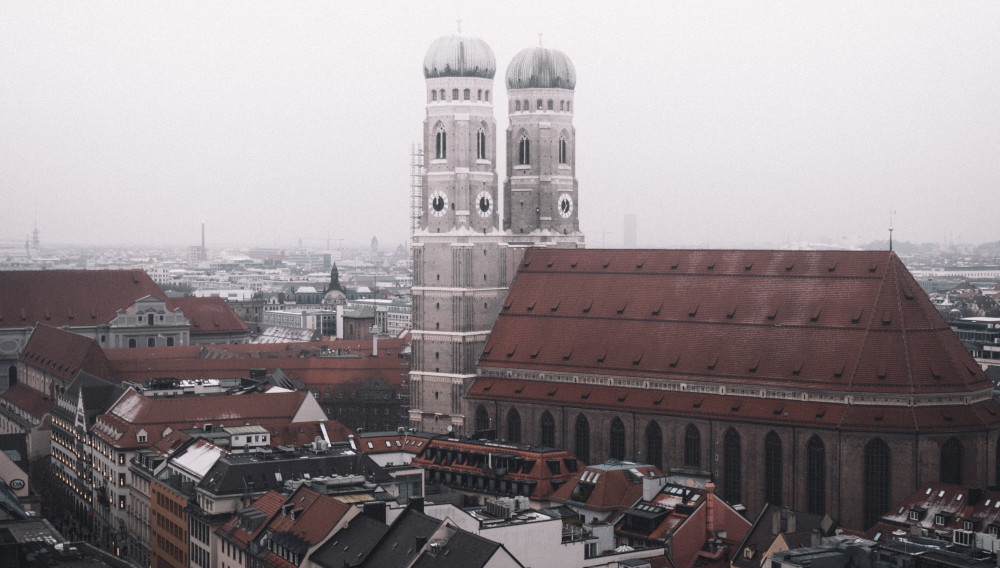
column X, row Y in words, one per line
column 891, row 213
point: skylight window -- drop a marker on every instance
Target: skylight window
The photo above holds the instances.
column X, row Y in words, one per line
column 371, row 446
column 941, row 494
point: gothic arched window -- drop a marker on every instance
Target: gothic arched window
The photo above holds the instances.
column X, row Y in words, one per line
column 654, row 444
column 562, row 149
column 487, row 95
column 467, row 94
column 524, row 151
column 551, row 107
column 525, row 105
column 617, row 439
column 540, row 104
column 815, row 476
column 952, row 453
column 581, row 431
column 773, row 468
column 434, row 95
column 548, row 430
column 569, row 106
column 483, row 429
column 131, row 342
column 454, row 94
column 441, row 144
column 692, row 447
column 442, row 94
column 732, row 467
column 479, row 95
column 877, row 480
column 514, row 426
column 481, row 144
column 517, row 105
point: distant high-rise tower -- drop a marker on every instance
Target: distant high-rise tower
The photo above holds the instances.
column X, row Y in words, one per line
column 465, row 248
column 630, row 238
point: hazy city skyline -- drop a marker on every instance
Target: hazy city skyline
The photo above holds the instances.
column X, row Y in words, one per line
column 717, row 124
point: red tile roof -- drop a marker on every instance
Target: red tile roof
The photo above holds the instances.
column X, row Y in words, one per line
column 78, row 298
column 64, row 354
column 134, row 412
column 615, row 487
column 955, row 504
column 300, row 433
column 847, row 322
column 268, row 504
column 209, row 315
column 29, row 400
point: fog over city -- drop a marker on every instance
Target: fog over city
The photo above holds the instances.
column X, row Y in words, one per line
column 758, row 124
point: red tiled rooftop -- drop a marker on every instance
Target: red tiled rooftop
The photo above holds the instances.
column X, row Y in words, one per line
column 29, row 400
column 63, row 353
column 79, row 298
column 847, row 321
column 209, row 315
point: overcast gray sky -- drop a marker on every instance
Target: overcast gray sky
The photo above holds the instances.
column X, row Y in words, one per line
column 717, row 124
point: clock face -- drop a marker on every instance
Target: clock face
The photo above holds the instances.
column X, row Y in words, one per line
column 484, row 204
column 437, row 203
column 565, row 205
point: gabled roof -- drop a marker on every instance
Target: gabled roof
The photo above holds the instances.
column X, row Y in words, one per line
column 398, row 546
column 236, row 473
column 952, row 504
column 134, row 412
column 796, row 528
column 250, row 521
column 849, row 321
column 351, row 545
column 63, row 353
column 462, row 550
column 209, row 315
column 306, row 517
column 78, row 298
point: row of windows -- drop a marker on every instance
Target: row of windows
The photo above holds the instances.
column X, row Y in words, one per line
column 524, row 150
column 151, row 342
column 877, row 459
column 543, row 105
column 441, row 153
column 481, row 95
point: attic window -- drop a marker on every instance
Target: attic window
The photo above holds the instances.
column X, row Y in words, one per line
column 553, row 392
column 914, row 515
column 698, row 404
column 815, row 315
column 881, row 370
column 748, row 267
column 675, row 265
column 641, row 262
column 550, row 263
column 839, row 371
column 585, row 395
column 713, row 362
column 638, row 359
column 586, row 310
column 873, row 267
column 797, row 368
column 790, row 267
column 732, row 312
column 512, row 350
column 821, row 414
column 606, row 264
column 556, row 307
column 602, row 357
column 507, row 304
column 519, row 389
column 857, row 316
column 693, row 311
column 736, row 407
column 486, row 352
column 574, row 263
column 772, row 313
column 568, row 355
column 658, row 401
column 886, row 316
column 711, row 266
column 753, row 365
column 832, row 267
column 907, row 291
column 531, row 306
column 656, row 312
column 622, row 398
column 674, row 361
column 537, row 351
column 621, row 310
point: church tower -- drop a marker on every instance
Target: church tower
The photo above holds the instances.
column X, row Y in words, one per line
column 460, row 253
column 541, row 148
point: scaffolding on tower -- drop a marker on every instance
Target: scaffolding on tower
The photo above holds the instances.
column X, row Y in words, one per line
column 416, row 183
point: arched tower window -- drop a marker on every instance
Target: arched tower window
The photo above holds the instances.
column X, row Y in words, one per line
column 525, row 105
column 481, row 144
column 454, row 94
column 732, row 472
column 654, row 444
column 514, row 426
column 772, row 468
column 466, row 94
column 581, row 431
column 569, row 106
column 692, row 447
column 562, row 149
column 617, row 439
column 548, row 430
column 131, row 342
column 483, row 429
column 442, row 94
column 952, row 453
column 539, row 104
column 562, row 105
column 479, row 95
column 434, row 95
column 524, row 151
column 815, row 476
column 151, row 342
column 550, row 105
column 441, row 144
column 517, row 105
column 877, row 480
column 487, row 95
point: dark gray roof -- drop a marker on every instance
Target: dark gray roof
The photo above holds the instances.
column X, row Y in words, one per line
column 351, row 545
column 231, row 473
column 98, row 394
column 399, row 545
column 463, row 550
